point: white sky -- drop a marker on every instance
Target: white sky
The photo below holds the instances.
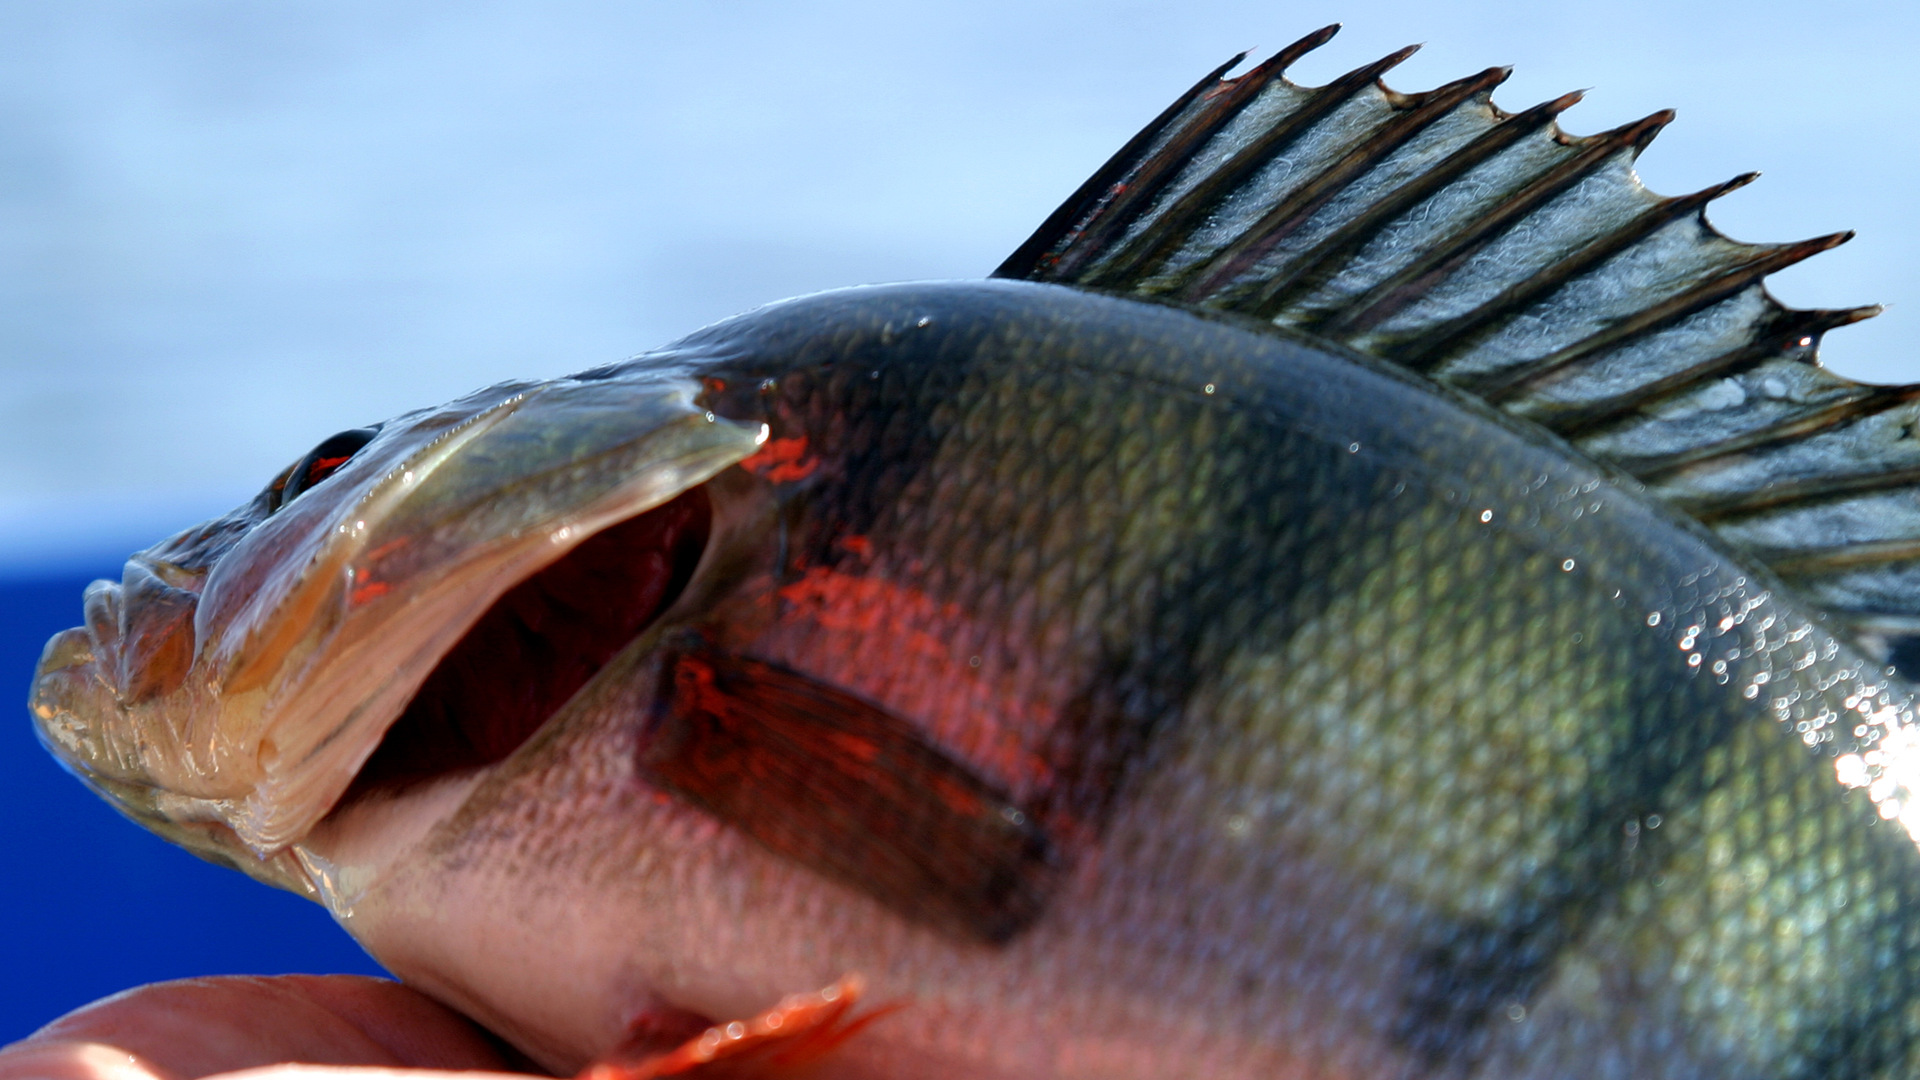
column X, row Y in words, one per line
column 228, row 229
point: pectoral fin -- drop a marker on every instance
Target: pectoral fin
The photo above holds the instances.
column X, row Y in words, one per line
column 846, row 788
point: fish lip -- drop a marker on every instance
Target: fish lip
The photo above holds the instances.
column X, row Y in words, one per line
column 77, row 658
column 534, row 472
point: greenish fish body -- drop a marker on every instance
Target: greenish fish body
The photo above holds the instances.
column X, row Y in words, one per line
column 1122, row 688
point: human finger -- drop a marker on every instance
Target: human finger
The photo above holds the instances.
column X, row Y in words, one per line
column 202, row 1027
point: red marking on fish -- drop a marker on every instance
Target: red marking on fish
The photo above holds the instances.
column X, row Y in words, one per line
column 782, row 461
column 898, row 646
column 864, row 604
column 792, row 1035
column 372, row 590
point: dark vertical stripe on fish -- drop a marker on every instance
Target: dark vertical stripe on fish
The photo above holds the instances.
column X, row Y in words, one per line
column 1473, row 972
column 1278, row 539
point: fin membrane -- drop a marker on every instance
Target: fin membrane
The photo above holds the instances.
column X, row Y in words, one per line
column 848, row 789
column 1495, row 253
column 784, row 1041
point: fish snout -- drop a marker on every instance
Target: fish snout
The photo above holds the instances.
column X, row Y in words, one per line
column 73, row 707
column 156, row 638
column 137, row 645
column 108, row 701
column 229, row 689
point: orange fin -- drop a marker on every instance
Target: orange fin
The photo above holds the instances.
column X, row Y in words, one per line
column 781, row 1042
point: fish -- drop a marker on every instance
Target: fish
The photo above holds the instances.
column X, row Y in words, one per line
column 1367, row 590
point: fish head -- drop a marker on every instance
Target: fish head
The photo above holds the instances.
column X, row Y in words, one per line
column 226, row 691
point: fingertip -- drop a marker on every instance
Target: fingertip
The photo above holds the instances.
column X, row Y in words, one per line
column 415, row 1030
column 196, row 1028
column 62, row 1060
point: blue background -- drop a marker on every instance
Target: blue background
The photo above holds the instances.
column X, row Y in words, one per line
column 229, row 229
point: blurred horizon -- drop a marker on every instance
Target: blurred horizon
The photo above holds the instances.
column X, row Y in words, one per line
column 230, row 230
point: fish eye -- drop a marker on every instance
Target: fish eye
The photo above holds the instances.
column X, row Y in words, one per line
column 321, row 462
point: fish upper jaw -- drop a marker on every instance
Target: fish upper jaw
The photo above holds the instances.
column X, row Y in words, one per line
column 242, row 707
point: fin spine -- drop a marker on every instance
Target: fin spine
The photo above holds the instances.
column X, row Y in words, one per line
column 1787, row 326
column 1274, row 297
column 1137, row 258
column 1813, row 562
column 1293, row 211
column 1437, row 341
column 1027, row 258
column 1812, row 489
column 1413, row 281
column 1868, row 401
column 1127, row 196
column 1504, row 386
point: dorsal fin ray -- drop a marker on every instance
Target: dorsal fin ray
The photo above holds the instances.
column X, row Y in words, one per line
column 1499, row 255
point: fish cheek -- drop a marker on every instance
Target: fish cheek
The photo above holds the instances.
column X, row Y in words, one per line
column 156, row 636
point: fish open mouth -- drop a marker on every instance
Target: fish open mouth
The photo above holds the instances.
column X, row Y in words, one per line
column 537, row 646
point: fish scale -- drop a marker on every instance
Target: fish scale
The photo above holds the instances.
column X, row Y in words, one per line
column 1369, row 590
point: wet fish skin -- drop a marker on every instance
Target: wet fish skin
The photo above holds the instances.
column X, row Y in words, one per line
column 1346, row 779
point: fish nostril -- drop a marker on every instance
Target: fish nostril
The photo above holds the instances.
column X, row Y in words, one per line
column 156, row 635
column 156, row 654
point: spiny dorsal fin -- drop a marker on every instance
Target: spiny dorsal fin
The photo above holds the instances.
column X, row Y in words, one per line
column 1500, row 255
